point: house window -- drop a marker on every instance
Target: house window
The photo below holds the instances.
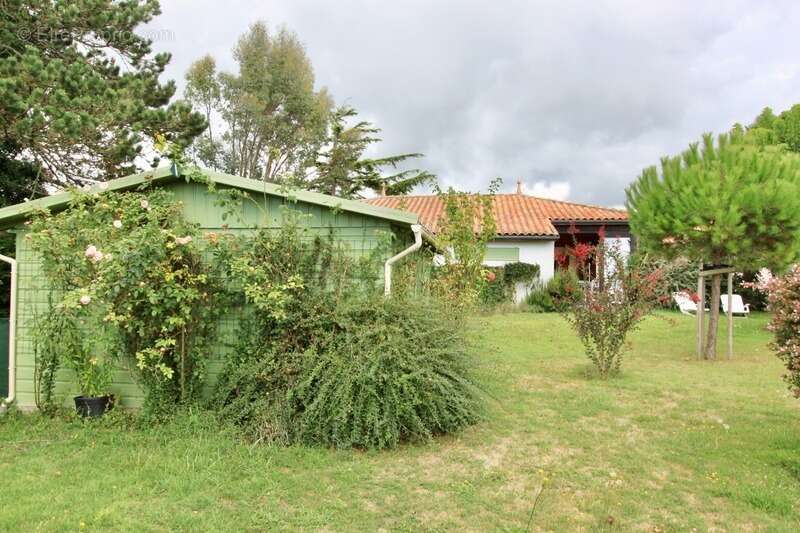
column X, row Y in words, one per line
column 502, row 254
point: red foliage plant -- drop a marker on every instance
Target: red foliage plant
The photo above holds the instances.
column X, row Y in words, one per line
column 582, row 252
column 562, row 259
column 613, row 305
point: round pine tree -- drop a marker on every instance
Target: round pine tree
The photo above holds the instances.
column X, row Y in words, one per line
column 728, row 202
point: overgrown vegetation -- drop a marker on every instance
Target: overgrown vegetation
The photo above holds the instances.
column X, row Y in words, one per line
column 130, row 286
column 501, row 282
column 322, row 358
column 556, row 293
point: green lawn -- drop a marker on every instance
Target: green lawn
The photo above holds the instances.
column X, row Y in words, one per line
column 670, row 445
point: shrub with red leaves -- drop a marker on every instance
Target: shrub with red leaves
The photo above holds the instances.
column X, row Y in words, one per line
column 582, row 252
column 613, row 305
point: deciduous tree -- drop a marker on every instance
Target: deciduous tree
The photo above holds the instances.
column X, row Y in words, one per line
column 273, row 119
column 277, row 127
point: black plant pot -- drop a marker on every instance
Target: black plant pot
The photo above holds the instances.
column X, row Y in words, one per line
column 93, row 406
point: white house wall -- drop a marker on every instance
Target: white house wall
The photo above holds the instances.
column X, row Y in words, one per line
column 534, row 251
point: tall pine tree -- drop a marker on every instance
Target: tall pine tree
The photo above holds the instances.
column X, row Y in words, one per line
column 727, row 202
column 79, row 89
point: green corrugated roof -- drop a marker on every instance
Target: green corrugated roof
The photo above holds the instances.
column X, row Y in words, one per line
column 15, row 213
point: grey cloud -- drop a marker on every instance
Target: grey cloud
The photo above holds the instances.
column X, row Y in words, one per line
column 586, row 93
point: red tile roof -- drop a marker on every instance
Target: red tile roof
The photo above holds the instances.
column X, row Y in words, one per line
column 516, row 214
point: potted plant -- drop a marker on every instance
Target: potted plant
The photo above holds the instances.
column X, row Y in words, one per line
column 94, row 378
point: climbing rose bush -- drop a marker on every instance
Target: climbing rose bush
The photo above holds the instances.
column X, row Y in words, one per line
column 128, row 269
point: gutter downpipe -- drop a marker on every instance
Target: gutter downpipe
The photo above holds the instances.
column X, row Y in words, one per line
column 12, row 331
column 387, row 267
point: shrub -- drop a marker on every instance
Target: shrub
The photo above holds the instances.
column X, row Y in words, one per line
column 519, row 272
column 391, row 372
column 130, row 282
column 784, row 301
column 495, row 290
column 500, row 285
column 388, row 372
column 327, row 360
column 555, row 295
column 539, row 299
column 745, row 284
column 679, row 275
column 611, row 307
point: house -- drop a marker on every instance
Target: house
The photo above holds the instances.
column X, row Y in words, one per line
column 355, row 224
column 529, row 229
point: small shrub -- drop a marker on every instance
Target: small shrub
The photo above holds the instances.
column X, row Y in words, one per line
column 679, row 274
column 539, row 299
column 784, row 300
column 611, row 307
column 557, row 294
column 495, row 291
column 745, row 284
column 500, row 282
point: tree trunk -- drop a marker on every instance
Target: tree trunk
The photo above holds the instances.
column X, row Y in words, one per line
column 711, row 339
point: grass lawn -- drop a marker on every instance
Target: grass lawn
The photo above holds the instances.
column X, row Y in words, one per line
column 670, row 445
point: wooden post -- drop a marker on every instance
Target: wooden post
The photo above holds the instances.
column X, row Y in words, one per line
column 730, row 315
column 701, row 305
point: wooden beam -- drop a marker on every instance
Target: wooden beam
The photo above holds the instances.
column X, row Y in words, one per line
column 724, row 270
column 730, row 315
column 701, row 305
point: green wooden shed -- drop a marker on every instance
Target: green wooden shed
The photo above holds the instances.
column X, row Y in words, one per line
column 357, row 225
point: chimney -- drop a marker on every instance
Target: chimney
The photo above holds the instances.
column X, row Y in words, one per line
column 519, row 186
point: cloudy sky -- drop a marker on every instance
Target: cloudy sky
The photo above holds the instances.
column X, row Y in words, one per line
column 572, row 97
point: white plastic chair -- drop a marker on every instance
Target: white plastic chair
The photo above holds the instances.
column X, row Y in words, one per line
column 738, row 305
column 685, row 304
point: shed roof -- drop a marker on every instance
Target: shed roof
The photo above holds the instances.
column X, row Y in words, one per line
column 516, row 215
column 15, row 213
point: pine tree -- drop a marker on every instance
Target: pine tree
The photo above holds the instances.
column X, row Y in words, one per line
column 79, row 89
column 727, row 202
column 341, row 169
